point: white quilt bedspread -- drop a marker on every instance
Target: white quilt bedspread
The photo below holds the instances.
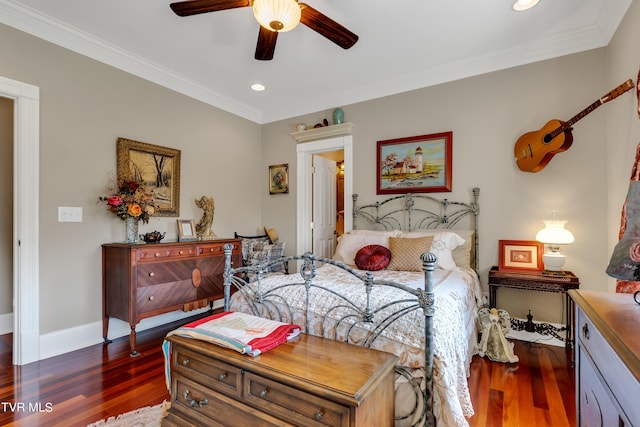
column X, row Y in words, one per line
column 457, row 296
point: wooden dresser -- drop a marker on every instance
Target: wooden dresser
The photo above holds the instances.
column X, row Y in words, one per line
column 310, row 381
column 607, row 359
column 144, row 280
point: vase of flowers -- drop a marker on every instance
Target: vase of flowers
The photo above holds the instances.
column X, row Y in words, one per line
column 132, row 202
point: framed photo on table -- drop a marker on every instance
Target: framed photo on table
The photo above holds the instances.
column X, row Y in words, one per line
column 520, row 255
column 186, row 230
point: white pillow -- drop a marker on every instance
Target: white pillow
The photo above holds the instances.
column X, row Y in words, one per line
column 349, row 244
column 387, row 233
column 462, row 254
column 444, row 242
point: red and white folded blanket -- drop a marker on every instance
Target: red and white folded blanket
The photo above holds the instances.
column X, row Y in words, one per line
column 242, row 332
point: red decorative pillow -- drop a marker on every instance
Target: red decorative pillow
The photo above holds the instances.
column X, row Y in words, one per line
column 372, row 257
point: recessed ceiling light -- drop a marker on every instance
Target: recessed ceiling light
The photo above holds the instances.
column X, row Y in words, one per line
column 258, row 87
column 521, row 5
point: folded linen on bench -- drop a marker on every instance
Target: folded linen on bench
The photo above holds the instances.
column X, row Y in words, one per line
column 242, row 332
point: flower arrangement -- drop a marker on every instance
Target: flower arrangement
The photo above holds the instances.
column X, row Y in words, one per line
column 131, row 199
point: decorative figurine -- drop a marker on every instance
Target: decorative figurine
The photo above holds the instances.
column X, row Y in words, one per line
column 203, row 227
column 493, row 344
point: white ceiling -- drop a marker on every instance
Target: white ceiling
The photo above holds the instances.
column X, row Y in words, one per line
column 403, row 45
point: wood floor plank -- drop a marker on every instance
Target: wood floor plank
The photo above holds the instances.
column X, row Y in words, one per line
column 103, row 381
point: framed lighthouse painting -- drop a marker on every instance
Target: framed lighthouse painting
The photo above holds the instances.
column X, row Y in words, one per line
column 416, row 164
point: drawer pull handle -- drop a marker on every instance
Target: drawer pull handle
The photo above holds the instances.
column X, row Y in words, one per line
column 222, row 376
column 263, row 393
column 585, row 331
column 152, row 274
column 192, row 402
column 185, row 362
column 151, row 298
column 318, row 416
column 181, row 252
column 157, row 254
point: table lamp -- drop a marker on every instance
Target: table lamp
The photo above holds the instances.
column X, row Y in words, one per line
column 554, row 235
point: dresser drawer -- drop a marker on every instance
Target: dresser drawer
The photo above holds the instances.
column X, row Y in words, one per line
column 609, row 366
column 216, row 374
column 214, row 409
column 166, row 272
column 292, row 404
column 164, row 252
column 151, row 298
column 215, row 248
column 597, row 407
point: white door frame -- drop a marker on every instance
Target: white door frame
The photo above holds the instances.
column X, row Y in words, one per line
column 304, row 192
column 26, row 235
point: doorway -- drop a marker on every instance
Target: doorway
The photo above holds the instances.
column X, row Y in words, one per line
column 26, row 234
column 304, row 194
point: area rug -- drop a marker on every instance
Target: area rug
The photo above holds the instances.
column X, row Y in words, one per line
column 150, row 416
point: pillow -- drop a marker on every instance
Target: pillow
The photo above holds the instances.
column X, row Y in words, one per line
column 387, row 233
column 265, row 253
column 444, row 242
column 405, row 252
column 462, row 254
column 248, row 245
column 349, row 244
column 372, row 257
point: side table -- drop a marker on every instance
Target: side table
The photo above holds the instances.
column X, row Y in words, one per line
column 544, row 281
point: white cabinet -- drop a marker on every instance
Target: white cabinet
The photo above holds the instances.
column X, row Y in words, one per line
column 607, row 359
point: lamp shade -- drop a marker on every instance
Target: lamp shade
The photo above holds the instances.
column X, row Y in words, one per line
column 554, row 233
column 277, row 15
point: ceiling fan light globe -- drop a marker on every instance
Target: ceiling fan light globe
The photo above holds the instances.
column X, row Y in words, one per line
column 277, row 15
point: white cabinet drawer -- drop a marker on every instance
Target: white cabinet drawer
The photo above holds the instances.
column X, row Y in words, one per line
column 615, row 378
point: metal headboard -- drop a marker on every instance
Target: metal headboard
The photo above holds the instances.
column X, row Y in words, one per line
column 410, row 212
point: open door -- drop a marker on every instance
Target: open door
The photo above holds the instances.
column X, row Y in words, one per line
column 324, row 206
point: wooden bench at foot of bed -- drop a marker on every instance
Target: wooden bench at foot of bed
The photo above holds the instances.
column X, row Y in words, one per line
column 308, row 381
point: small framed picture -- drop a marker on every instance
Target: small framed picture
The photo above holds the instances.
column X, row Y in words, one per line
column 186, row 230
column 279, row 179
column 520, row 255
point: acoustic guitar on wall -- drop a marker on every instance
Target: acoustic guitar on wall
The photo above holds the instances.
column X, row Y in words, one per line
column 534, row 150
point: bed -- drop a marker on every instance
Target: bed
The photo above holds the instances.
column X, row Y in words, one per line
column 422, row 306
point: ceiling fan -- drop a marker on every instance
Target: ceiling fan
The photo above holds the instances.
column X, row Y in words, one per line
column 274, row 16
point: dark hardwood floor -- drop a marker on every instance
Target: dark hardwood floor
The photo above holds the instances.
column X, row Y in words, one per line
column 100, row 381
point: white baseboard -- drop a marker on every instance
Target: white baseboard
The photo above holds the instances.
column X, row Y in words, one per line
column 6, row 323
column 71, row 339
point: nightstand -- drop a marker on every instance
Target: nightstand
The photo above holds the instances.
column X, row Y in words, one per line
column 543, row 281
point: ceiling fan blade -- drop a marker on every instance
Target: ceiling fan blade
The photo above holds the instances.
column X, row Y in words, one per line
column 193, row 7
column 327, row 27
column 266, row 44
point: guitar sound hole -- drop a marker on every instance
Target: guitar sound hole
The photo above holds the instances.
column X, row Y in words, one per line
column 547, row 138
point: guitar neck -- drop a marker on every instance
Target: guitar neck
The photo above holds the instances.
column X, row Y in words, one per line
column 583, row 113
column 628, row 85
column 569, row 123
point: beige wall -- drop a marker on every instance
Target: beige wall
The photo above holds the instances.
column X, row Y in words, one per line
column 85, row 106
column 487, row 114
column 6, row 201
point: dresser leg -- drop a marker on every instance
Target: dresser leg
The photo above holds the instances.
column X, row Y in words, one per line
column 105, row 329
column 132, row 342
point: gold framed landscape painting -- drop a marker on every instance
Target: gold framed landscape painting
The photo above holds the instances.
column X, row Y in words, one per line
column 157, row 167
column 279, row 179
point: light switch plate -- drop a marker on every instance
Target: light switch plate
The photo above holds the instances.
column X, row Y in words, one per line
column 69, row 214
